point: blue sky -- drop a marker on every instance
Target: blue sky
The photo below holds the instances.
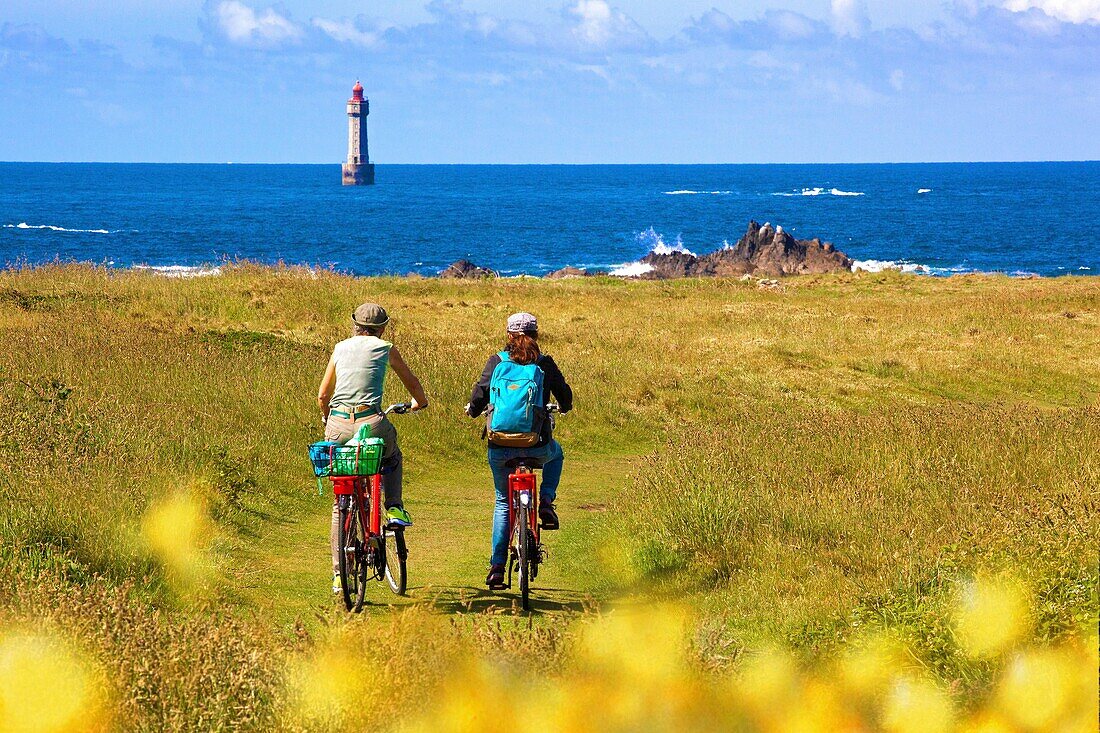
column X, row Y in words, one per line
column 573, row 81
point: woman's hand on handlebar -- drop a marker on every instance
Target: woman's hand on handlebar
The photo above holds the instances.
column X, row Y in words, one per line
column 416, row 406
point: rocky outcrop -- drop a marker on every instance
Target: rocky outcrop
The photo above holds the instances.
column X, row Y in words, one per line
column 567, row 272
column 466, row 270
column 762, row 251
column 668, row 265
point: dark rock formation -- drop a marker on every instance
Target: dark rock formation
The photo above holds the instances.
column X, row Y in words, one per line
column 568, row 271
column 670, row 265
column 763, row 251
column 464, row 269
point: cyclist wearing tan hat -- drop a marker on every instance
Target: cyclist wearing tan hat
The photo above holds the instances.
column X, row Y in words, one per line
column 351, row 395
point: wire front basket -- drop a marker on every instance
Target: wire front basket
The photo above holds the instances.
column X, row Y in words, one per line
column 331, row 459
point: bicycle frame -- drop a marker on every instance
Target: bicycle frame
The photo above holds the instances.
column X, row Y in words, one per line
column 368, row 504
column 522, row 482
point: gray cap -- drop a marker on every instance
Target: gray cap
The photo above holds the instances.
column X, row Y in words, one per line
column 370, row 314
column 522, row 323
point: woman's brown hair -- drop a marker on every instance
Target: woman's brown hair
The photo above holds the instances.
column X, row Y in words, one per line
column 523, row 347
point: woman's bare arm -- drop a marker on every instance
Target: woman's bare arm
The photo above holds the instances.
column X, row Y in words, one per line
column 401, row 369
column 328, row 384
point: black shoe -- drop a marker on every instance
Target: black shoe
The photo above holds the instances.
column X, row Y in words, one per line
column 495, row 578
column 548, row 516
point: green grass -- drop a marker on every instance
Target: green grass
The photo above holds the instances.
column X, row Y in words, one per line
column 797, row 465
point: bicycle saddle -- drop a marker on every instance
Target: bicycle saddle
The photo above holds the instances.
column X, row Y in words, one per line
column 528, row 461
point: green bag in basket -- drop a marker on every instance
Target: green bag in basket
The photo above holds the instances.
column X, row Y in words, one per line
column 364, row 459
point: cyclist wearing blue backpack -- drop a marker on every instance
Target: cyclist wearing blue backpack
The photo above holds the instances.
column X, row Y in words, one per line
column 513, row 388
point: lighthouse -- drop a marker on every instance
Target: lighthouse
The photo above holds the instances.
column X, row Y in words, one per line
column 358, row 170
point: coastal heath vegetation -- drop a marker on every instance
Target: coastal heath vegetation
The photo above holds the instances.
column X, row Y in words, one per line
column 841, row 466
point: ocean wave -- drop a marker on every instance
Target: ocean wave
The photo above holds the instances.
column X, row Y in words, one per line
column 924, row 190
column 818, row 191
column 910, row 267
column 51, row 227
column 881, row 265
column 685, row 192
column 657, row 244
column 631, row 269
column 180, row 271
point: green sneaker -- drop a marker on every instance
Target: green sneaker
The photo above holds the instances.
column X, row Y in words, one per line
column 398, row 515
column 336, row 586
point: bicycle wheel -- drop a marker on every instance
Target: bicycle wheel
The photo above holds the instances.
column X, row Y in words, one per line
column 396, row 554
column 353, row 566
column 524, row 547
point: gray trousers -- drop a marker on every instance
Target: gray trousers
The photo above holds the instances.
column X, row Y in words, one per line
column 341, row 430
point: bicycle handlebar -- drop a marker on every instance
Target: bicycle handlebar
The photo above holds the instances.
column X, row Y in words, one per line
column 551, row 407
column 400, row 408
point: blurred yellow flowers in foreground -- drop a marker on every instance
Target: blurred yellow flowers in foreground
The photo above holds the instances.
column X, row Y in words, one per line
column 991, row 615
column 177, row 530
column 632, row 670
column 45, row 687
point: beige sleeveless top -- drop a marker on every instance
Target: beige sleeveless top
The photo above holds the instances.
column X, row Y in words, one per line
column 361, row 363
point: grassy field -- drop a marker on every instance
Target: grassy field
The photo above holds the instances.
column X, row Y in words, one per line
column 799, row 469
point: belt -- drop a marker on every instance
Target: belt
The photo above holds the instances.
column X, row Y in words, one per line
column 354, row 413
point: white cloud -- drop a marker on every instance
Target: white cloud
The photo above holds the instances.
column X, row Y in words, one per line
column 849, row 17
column 244, row 26
column 345, row 31
column 600, row 25
column 1071, row 11
column 791, row 26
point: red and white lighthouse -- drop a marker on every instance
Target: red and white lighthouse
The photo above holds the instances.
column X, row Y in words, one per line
column 358, row 170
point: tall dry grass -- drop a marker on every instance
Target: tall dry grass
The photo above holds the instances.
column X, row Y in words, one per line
column 815, row 524
column 845, row 453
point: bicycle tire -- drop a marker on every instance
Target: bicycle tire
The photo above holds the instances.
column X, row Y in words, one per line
column 522, row 540
column 353, row 570
column 396, row 560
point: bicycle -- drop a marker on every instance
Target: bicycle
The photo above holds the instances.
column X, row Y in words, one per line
column 525, row 552
column 368, row 551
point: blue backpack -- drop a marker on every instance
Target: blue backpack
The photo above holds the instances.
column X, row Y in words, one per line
column 517, row 404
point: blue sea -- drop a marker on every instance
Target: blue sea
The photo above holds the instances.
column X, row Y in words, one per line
column 1016, row 218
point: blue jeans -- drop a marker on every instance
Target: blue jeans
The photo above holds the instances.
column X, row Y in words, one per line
column 552, row 459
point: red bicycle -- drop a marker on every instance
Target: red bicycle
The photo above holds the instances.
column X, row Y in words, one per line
column 526, row 552
column 368, row 550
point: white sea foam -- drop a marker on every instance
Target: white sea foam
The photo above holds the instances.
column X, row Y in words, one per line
column 924, row 190
column 51, row 227
column 818, row 191
column 657, row 244
column 1083, row 267
column 685, row 192
column 880, row 265
column 631, row 269
column 910, row 267
column 180, row 271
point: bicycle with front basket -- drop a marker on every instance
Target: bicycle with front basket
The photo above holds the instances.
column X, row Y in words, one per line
column 368, row 551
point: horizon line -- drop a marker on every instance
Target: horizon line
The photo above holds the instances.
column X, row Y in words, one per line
column 562, row 165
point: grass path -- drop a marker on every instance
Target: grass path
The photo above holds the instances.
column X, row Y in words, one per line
column 283, row 574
